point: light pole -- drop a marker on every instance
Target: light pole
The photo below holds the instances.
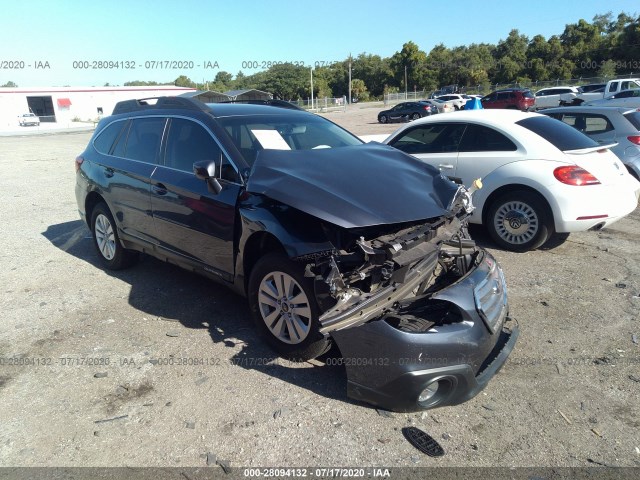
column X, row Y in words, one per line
column 349, row 78
column 405, row 82
column 311, row 71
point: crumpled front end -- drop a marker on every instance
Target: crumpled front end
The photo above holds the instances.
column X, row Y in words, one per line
column 418, row 311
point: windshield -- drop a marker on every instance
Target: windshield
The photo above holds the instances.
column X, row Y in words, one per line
column 558, row 133
column 253, row 133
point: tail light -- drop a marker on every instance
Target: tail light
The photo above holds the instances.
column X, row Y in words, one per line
column 574, row 175
column 79, row 161
column 634, row 139
column 427, row 108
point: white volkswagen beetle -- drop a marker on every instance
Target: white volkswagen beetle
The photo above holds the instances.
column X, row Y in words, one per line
column 539, row 175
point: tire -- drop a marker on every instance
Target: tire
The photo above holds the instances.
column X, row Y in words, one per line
column 383, row 119
column 519, row 221
column 105, row 238
column 415, row 116
column 291, row 329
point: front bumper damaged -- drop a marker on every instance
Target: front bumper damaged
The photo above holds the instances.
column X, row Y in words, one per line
column 446, row 364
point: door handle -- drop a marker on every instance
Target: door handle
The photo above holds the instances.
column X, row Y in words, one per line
column 108, row 172
column 445, row 166
column 159, row 189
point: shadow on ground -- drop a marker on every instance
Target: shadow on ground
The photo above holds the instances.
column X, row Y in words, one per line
column 167, row 292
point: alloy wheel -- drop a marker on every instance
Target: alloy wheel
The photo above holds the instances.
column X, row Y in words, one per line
column 105, row 237
column 284, row 307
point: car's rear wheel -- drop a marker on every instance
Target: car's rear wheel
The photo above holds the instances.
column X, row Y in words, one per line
column 383, row 119
column 284, row 308
column 415, row 116
column 105, row 238
column 519, row 221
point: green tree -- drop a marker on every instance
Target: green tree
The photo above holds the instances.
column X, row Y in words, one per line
column 374, row 71
column 9, row 84
column 359, row 89
column 511, row 57
column 608, row 69
column 184, row 81
column 413, row 61
column 286, row 81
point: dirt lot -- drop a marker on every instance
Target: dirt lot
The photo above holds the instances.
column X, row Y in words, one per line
column 154, row 366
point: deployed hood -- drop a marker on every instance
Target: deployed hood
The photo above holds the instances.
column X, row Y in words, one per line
column 355, row 186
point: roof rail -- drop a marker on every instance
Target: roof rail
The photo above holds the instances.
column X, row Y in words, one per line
column 159, row 104
column 271, row 102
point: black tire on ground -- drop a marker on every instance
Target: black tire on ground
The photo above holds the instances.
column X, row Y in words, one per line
column 519, row 221
column 284, row 308
column 555, row 241
column 415, row 116
column 105, row 238
column 382, row 119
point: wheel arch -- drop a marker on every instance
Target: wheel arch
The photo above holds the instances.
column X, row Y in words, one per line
column 93, row 198
column 257, row 246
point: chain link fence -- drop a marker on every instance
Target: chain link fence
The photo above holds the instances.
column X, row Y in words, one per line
column 323, row 104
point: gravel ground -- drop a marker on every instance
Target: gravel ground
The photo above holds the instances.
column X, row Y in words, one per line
column 154, row 366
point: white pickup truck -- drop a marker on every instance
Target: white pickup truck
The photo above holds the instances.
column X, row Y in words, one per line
column 612, row 87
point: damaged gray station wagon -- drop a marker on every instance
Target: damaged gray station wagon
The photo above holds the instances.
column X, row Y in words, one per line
column 329, row 239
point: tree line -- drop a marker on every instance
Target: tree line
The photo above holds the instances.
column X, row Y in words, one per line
column 607, row 46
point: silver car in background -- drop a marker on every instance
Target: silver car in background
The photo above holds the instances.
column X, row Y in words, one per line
column 607, row 125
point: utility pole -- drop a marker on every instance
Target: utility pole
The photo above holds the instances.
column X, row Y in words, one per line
column 405, row 82
column 311, row 70
column 349, row 78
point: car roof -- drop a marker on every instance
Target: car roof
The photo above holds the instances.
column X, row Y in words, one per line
column 589, row 109
column 495, row 117
column 154, row 104
column 557, row 87
column 243, row 109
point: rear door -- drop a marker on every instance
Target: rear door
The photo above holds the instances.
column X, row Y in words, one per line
column 433, row 143
column 192, row 222
column 131, row 151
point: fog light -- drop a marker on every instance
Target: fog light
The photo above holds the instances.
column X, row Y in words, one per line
column 428, row 393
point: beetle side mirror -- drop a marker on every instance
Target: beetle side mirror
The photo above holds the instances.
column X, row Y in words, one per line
column 206, row 170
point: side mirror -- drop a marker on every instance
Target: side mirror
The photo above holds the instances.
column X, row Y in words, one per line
column 206, row 170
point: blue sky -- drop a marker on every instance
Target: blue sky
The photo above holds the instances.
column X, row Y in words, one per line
column 205, row 33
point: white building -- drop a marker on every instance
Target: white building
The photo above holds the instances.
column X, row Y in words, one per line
column 64, row 105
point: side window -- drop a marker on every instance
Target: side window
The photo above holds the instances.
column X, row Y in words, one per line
column 437, row 138
column 575, row 120
column 143, row 141
column 478, row 138
column 107, row 137
column 597, row 124
column 189, row 142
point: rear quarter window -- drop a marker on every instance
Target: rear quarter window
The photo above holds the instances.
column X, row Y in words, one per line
column 634, row 118
column 558, row 133
column 107, row 137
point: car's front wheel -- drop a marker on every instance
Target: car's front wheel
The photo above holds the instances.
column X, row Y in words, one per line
column 519, row 221
column 383, row 119
column 105, row 238
column 284, row 308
